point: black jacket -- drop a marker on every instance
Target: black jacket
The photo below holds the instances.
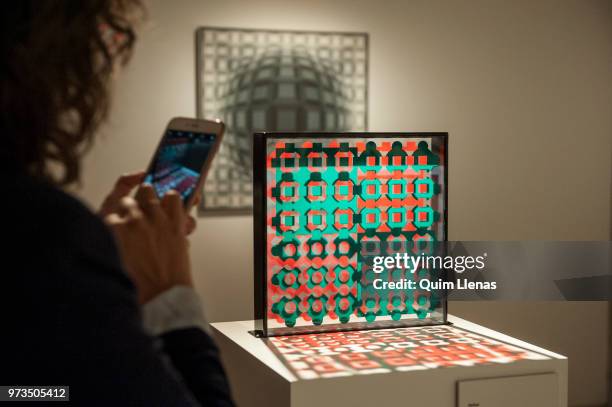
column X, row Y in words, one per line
column 70, row 317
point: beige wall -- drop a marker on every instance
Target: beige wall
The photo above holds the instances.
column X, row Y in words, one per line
column 523, row 87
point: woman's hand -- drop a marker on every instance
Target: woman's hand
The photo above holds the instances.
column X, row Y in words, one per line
column 152, row 241
column 124, row 186
column 151, row 235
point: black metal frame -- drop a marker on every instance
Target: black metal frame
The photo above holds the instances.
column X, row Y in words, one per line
column 260, row 300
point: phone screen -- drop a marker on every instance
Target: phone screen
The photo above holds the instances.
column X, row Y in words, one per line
column 179, row 161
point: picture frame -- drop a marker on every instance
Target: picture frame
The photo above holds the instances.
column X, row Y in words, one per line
column 273, row 80
column 262, row 225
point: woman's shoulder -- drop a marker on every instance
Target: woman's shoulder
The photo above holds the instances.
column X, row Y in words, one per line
column 40, row 212
column 56, row 231
column 30, row 192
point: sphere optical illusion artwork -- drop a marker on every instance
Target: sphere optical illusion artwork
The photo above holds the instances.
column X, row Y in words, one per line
column 263, row 80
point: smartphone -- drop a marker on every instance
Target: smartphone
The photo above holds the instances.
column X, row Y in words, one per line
column 183, row 157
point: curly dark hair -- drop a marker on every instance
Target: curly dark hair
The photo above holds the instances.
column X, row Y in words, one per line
column 57, row 60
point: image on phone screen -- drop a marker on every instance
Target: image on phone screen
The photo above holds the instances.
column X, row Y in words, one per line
column 178, row 162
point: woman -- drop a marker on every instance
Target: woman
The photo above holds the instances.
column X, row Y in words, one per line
column 75, row 281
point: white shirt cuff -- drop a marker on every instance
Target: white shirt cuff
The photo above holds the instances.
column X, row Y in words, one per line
column 177, row 308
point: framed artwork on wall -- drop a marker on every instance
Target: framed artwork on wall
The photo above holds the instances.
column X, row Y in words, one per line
column 273, row 80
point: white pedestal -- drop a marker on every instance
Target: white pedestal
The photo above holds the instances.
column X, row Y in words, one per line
column 472, row 366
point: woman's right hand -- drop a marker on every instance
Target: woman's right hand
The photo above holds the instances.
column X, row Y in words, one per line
column 151, row 235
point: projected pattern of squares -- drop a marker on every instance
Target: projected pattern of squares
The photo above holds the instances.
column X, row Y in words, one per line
column 265, row 80
column 336, row 354
column 331, row 204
